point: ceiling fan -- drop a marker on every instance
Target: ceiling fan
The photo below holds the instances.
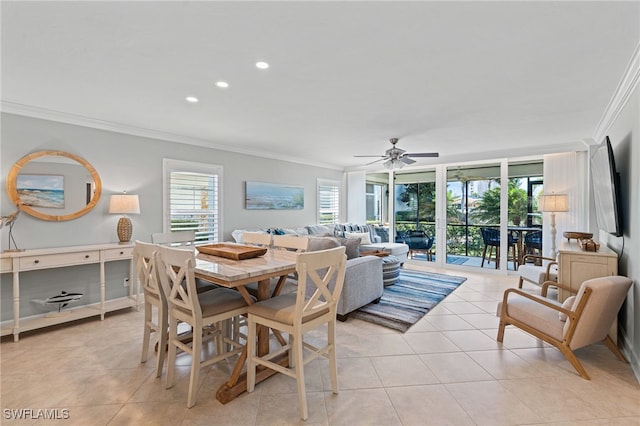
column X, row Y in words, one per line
column 397, row 158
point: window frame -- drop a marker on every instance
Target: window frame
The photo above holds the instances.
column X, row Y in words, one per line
column 171, row 165
column 328, row 183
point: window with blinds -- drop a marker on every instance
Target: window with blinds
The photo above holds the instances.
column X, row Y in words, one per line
column 193, row 199
column 328, row 202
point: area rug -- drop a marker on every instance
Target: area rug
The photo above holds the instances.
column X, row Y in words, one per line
column 405, row 302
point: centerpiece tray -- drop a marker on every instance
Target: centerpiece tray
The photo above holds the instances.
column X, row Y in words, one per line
column 232, row 251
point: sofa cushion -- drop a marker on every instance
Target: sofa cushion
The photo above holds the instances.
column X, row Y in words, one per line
column 322, row 243
column 352, row 247
column 364, row 237
column 323, row 230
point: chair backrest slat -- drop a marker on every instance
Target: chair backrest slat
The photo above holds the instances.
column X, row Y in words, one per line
column 261, row 239
column 176, row 266
column 323, row 272
column 146, row 271
column 174, row 239
column 290, row 242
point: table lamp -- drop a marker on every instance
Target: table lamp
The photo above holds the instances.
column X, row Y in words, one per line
column 553, row 203
column 124, row 204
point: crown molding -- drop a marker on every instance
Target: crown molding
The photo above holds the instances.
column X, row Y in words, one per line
column 94, row 123
column 620, row 97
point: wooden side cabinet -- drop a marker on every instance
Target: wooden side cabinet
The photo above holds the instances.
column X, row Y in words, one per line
column 29, row 260
column 576, row 266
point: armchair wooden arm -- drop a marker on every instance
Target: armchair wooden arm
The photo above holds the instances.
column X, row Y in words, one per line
column 533, row 256
column 547, row 284
column 537, row 260
column 588, row 322
column 551, row 305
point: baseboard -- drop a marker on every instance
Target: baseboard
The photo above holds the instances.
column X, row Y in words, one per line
column 633, row 358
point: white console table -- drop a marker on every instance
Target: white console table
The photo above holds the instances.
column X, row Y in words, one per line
column 60, row 257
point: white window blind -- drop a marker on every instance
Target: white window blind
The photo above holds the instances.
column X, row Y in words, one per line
column 193, row 200
column 328, row 202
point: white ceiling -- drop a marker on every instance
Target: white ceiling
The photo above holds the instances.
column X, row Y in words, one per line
column 467, row 79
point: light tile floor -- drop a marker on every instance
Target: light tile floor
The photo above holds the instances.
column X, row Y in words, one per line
column 447, row 369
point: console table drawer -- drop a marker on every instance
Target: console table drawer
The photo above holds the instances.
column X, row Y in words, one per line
column 6, row 264
column 124, row 253
column 59, row 260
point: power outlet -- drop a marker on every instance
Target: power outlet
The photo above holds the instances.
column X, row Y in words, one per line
column 126, row 282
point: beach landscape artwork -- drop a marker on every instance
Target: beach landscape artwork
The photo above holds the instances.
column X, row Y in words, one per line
column 273, row 196
column 41, row 190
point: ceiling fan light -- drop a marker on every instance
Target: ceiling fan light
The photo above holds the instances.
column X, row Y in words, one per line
column 393, row 163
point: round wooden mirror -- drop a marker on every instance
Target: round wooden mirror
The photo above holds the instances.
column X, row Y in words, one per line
column 54, row 185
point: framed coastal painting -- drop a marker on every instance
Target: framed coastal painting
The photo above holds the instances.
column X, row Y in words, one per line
column 273, row 196
column 41, row 190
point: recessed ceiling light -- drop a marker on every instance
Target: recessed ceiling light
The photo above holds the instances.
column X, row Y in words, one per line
column 192, row 99
column 222, row 84
column 262, row 65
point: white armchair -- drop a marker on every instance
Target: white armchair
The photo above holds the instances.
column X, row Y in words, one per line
column 580, row 321
column 541, row 269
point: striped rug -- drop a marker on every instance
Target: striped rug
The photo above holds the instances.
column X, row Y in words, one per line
column 405, row 302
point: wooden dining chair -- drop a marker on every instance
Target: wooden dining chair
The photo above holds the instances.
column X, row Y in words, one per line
column 321, row 277
column 261, row 239
column 182, row 239
column 288, row 284
column 290, row 242
column 174, row 238
column 176, row 266
column 277, row 242
column 146, row 271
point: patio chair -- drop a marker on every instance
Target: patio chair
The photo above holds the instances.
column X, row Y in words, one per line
column 419, row 242
column 533, row 243
column 491, row 240
column 580, row 321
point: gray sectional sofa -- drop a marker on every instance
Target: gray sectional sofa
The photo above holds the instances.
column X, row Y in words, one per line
column 399, row 250
column 363, row 277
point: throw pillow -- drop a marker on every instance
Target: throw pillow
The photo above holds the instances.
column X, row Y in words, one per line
column 568, row 304
column 364, row 236
column 322, row 243
column 352, row 247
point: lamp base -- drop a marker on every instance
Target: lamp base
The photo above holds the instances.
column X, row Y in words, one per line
column 125, row 229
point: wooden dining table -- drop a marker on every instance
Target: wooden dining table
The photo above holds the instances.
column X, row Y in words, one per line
column 236, row 274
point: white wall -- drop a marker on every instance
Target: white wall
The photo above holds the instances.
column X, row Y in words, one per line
column 134, row 164
column 357, row 195
column 624, row 134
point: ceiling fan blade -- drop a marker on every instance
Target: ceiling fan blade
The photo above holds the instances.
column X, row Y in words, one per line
column 406, row 160
column 377, row 161
column 378, row 156
column 423, row 154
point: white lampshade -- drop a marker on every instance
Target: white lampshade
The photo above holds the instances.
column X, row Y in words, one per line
column 124, row 204
column 553, row 203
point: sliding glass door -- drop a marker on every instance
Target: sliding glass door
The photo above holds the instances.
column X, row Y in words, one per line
column 452, row 214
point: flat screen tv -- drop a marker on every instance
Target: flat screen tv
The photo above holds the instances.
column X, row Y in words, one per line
column 606, row 189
